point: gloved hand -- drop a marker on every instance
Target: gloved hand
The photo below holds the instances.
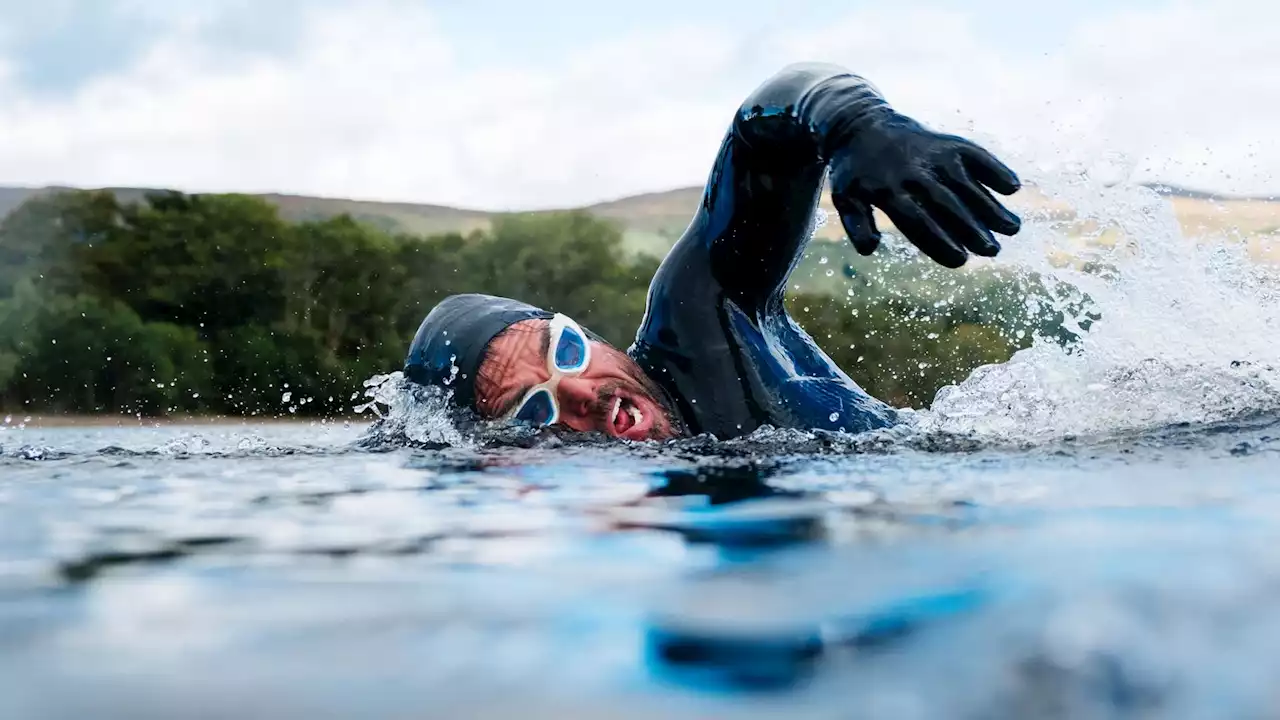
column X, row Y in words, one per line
column 929, row 184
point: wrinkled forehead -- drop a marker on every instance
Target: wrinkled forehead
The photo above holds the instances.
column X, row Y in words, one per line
column 527, row 337
column 517, row 352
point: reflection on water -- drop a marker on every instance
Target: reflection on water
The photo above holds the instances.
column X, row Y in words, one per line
column 296, row 571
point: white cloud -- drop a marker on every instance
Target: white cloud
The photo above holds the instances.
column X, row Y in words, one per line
column 373, row 102
column 1188, row 92
column 375, row 105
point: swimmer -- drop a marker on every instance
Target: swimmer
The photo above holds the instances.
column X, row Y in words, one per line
column 716, row 351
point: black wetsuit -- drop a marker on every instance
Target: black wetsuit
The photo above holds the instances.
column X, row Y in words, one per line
column 716, row 335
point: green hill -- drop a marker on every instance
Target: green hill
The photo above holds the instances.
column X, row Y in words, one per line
column 652, row 221
column 12, row 197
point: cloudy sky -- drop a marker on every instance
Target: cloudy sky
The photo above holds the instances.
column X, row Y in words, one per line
column 512, row 104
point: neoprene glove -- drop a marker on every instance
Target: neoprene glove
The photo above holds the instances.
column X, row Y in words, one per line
column 929, row 184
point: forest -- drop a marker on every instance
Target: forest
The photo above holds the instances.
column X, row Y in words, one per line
column 214, row 304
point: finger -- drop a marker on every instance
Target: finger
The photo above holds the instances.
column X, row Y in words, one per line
column 859, row 224
column 924, row 232
column 979, row 202
column 989, row 171
column 953, row 217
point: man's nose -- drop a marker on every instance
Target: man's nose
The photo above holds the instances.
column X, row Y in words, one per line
column 577, row 398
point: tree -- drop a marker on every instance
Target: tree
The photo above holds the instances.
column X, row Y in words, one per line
column 39, row 239
column 82, row 354
column 204, row 261
column 565, row 262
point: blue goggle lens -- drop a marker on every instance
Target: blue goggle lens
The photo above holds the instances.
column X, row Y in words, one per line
column 538, row 409
column 571, row 350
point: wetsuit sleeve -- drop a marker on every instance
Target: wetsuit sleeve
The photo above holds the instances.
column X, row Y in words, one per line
column 758, row 209
column 715, row 335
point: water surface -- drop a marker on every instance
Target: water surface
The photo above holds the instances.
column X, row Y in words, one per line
column 290, row 570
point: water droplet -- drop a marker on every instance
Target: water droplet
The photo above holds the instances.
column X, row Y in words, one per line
column 822, row 260
column 285, row 398
column 833, row 416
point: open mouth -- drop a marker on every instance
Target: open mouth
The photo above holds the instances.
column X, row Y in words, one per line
column 624, row 416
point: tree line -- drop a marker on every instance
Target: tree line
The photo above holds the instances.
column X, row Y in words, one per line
column 215, row 304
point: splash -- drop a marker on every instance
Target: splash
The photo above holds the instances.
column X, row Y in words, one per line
column 409, row 413
column 1185, row 328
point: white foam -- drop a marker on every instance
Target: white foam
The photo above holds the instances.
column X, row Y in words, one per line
column 417, row 413
column 1188, row 328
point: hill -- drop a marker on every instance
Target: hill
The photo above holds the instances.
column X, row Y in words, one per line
column 653, row 221
column 12, row 197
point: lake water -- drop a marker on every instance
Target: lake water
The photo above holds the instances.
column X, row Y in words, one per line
column 1084, row 533
column 288, row 570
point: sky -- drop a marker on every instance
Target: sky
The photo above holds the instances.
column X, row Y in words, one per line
column 510, row 104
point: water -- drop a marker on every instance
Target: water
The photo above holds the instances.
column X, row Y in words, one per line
column 283, row 570
column 1085, row 532
column 1187, row 332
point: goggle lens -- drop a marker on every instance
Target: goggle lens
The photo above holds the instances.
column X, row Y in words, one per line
column 538, row 409
column 571, row 350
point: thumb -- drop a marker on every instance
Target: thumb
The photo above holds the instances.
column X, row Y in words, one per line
column 859, row 225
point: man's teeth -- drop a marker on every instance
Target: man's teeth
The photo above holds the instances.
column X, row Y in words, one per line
column 632, row 410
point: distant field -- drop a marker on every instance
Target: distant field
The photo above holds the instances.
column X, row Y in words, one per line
column 653, row 221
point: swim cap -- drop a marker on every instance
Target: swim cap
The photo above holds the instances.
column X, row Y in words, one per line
column 451, row 341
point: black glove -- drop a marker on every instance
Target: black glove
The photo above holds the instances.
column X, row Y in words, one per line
column 929, row 184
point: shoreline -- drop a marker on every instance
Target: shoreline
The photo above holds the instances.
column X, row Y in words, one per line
column 41, row 420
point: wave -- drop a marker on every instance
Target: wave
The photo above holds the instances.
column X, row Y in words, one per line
column 1180, row 329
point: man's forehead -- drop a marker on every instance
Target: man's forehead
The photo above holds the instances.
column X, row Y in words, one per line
column 519, row 336
column 521, row 346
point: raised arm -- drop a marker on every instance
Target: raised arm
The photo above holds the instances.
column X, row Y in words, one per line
column 715, row 334
column 757, row 210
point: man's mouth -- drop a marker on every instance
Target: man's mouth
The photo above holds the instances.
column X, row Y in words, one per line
column 624, row 416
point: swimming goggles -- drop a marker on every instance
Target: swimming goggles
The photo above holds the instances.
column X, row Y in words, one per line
column 568, row 354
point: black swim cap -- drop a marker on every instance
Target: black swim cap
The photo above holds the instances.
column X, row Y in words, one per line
column 451, row 341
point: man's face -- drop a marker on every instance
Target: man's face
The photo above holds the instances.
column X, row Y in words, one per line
column 612, row 395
